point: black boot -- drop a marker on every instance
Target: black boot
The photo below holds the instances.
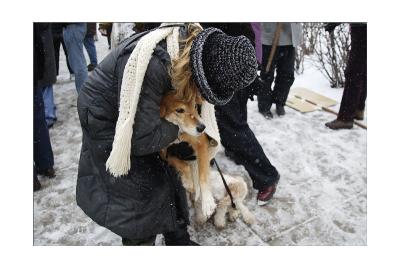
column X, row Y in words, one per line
column 280, row 110
column 179, row 238
column 267, row 114
column 47, row 172
column 36, row 184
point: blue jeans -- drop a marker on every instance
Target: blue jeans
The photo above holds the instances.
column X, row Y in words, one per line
column 91, row 49
column 74, row 34
column 49, row 106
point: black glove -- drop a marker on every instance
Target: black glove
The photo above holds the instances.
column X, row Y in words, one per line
column 330, row 27
column 182, row 151
column 255, row 87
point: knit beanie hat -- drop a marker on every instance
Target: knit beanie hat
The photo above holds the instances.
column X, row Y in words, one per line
column 222, row 64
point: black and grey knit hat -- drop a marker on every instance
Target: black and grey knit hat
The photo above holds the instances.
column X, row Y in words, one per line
column 222, row 64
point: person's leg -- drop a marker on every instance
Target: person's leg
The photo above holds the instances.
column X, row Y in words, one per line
column 57, row 43
column 49, row 106
column 264, row 97
column 139, row 242
column 42, row 151
column 240, row 142
column 354, row 75
column 284, row 76
column 91, row 49
column 363, row 70
column 74, row 34
column 66, row 56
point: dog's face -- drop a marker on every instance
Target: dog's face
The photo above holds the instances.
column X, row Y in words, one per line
column 182, row 114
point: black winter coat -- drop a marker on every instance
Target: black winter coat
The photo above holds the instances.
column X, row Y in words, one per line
column 49, row 75
column 150, row 199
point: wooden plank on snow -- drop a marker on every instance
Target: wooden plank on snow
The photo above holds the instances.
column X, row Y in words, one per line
column 312, row 96
column 300, row 105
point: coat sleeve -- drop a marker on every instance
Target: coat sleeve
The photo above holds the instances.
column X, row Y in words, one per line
column 150, row 132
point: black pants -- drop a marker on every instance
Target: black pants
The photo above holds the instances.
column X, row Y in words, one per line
column 283, row 63
column 237, row 138
column 355, row 86
column 58, row 41
column 42, row 151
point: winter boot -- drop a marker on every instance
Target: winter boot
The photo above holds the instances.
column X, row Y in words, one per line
column 91, row 67
column 359, row 115
column 266, row 194
column 267, row 114
column 339, row 124
column 47, row 172
column 280, row 110
column 139, row 242
column 36, row 184
column 179, row 238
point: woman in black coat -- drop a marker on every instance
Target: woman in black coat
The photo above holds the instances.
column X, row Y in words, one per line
column 149, row 199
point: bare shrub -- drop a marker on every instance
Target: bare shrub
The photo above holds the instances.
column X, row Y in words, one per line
column 331, row 53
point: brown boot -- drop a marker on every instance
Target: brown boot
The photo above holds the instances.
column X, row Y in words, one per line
column 359, row 115
column 339, row 124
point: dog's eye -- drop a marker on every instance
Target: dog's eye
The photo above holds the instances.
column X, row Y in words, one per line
column 180, row 110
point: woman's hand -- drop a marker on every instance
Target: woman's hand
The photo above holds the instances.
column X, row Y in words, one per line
column 182, row 151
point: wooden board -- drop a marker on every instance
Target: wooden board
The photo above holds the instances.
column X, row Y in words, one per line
column 300, row 105
column 310, row 95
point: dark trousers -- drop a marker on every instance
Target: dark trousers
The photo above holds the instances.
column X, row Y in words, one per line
column 42, row 151
column 58, row 41
column 238, row 139
column 283, row 63
column 355, row 86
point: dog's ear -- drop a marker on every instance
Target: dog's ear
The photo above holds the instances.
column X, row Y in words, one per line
column 163, row 111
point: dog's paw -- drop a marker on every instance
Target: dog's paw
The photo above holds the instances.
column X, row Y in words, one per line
column 219, row 222
column 200, row 219
column 233, row 215
column 207, row 204
column 249, row 218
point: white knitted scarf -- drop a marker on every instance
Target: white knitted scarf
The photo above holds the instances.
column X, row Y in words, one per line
column 119, row 162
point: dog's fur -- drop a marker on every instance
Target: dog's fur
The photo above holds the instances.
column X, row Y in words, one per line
column 186, row 116
column 202, row 182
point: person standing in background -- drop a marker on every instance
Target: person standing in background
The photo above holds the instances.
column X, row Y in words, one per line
column 105, row 29
column 57, row 30
column 74, row 34
column 90, row 46
column 44, row 74
column 283, row 60
column 355, row 86
column 256, row 26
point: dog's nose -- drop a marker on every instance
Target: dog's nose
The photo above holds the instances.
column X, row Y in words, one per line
column 200, row 128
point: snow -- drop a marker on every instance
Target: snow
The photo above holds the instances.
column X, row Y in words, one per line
column 321, row 198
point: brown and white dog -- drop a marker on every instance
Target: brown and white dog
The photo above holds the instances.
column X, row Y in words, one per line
column 203, row 184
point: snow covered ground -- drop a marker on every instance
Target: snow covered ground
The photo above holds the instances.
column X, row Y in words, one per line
column 321, row 198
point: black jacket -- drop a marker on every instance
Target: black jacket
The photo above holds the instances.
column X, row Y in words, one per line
column 48, row 67
column 150, row 199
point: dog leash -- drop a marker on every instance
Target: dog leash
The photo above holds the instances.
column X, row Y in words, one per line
column 213, row 161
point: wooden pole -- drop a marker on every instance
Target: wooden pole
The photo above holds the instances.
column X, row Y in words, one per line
column 275, row 42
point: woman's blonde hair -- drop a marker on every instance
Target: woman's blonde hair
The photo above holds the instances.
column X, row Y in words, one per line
column 185, row 88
